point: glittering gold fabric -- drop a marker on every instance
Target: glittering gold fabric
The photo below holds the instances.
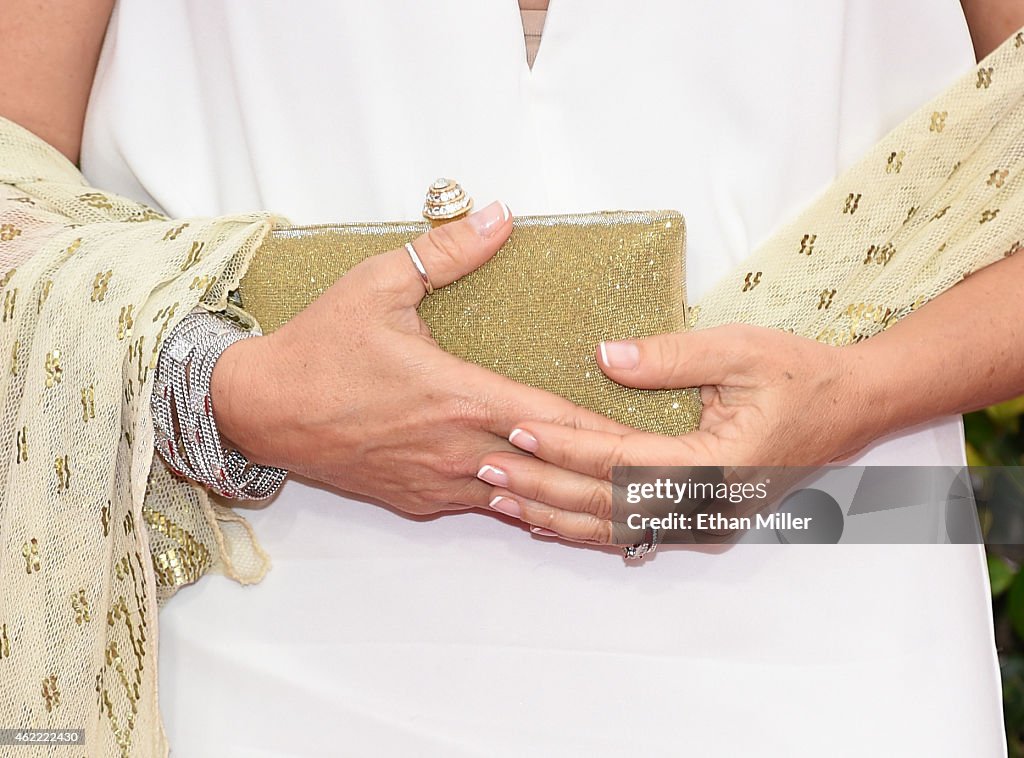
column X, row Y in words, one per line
column 534, row 313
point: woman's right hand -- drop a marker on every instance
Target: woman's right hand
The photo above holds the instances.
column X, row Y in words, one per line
column 355, row 393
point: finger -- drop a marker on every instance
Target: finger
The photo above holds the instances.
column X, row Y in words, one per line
column 596, row 454
column 578, row 527
column 447, row 253
column 534, row 479
column 475, row 493
column 686, row 359
column 503, row 402
column 591, row 453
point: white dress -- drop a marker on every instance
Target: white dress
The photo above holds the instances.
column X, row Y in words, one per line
column 464, row 635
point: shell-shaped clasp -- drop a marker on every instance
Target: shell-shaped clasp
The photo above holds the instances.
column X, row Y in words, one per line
column 446, row 201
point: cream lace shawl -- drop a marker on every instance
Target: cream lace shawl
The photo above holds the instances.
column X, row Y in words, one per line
column 94, row 535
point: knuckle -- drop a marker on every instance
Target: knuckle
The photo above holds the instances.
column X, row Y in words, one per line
column 471, row 493
column 671, row 351
column 748, row 339
column 434, row 481
column 446, row 243
column 575, row 421
column 451, row 464
column 423, row 501
column 536, row 489
column 466, row 411
column 525, row 482
column 550, row 520
column 598, row 531
column 592, row 530
column 566, row 419
column 615, row 455
column 540, row 515
column 659, row 358
column 370, row 275
column 677, row 347
column 598, row 500
column 573, row 418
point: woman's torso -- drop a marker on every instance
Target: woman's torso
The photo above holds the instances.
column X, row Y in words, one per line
column 464, row 635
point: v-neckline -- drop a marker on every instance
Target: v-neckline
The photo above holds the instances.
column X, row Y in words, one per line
column 531, row 70
column 533, row 31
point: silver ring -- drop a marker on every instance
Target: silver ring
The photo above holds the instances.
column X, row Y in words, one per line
column 645, row 547
column 419, row 268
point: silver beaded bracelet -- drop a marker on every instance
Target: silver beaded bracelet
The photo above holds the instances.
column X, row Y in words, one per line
column 186, row 433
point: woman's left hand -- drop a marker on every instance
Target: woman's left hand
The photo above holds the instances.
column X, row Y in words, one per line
column 770, row 399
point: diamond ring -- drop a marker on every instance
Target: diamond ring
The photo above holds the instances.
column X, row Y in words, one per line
column 645, row 547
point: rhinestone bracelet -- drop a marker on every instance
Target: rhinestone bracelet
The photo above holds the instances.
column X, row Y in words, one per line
column 185, row 429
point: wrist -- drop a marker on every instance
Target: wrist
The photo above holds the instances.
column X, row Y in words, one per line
column 870, row 409
column 237, row 388
column 186, row 433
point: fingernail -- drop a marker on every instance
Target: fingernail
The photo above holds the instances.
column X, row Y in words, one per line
column 524, row 440
column 543, row 532
column 506, row 505
column 620, row 354
column 493, row 475
column 486, row 221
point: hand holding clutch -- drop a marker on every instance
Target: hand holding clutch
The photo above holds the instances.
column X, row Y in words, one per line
column 770, row 399
column 353, row 392
column 534, row 313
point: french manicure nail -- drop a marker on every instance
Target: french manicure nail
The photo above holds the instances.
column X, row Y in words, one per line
column 493, row 475
column 543, row 532
column 506, row 505
column 486, row 221
column 524, row 440
column 620, row 354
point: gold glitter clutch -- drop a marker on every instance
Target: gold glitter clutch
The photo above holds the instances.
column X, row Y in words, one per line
column 534, row 313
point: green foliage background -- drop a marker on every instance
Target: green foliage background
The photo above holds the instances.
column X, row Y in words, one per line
column 995, row 437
